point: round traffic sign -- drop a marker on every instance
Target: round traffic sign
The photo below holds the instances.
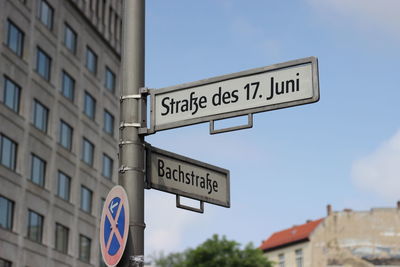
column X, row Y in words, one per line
column 114, row 226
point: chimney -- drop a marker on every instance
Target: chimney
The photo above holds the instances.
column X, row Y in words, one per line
column 328, row 209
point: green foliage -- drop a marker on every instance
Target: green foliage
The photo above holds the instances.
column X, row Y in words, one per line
column 216, row 252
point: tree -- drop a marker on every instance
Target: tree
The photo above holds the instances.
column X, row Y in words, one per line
column 216, row 252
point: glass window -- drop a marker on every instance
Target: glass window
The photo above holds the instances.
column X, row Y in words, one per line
column 11, row 94
column 68, row 86
column 5, row 263
column 102, row 201
column 87, row 152
column 65, row 138
column 84, row 248
column 110, row 80
column 64, row 185
column 91, row 60
column 61, row 238
column 8, row 152
column 40, row 116
column 43, row 64
column 35, row 226
column 299, row 258
column 46, row 13
column 38, row 170
column 15, row 38
column 89, row 107
column 281, row 260
column 86, row 199
column 70, row 38
column 108, row 123
column 107, row 166
column 6, row 213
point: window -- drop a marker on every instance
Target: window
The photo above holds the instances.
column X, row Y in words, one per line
column 281, row 260
column 86, row 199
column 40, row 116
column 8, row 152
column 64, row 185
column 110, row 80
column 91, row 60
column 68, row 86
column 46, row 14
column 35, row 226
column 5, row 263
column 6, row 213
column 65, row 138
column 108, row 123
column 89, row 107
column 84, row 248
column 70, row 38
column 43, row 64
column 102, row 201
column 11, row 94
column 107, row 166
column 87, row 152
column 15, row 38
column 61, row 238
column 38, row 170
column 299, row 258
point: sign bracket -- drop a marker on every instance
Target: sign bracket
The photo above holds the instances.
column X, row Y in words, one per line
column 185, row 207
column 142, row 123
column 234, row 128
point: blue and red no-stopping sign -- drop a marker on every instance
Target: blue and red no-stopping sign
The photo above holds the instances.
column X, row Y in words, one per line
column 114, row 226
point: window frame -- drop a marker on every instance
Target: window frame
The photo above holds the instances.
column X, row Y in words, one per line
column 67, row 136
column 67, row 41
column 86, row 204
column 9, row 219
column 19, row 49
column 91, row 60
column 40, row 181
column 31, row 235
column 14, row 147
column 50, row 16
column 110, row 74
column 67, row 186
column 88, row 98
column 82, row 256
column 64, row 233
column 111, row 166
column 45, row 116
column 87, row 152
column 46, row 72
column 16, row 94
column 69, row 91
column 299, row 257
column 108, row 122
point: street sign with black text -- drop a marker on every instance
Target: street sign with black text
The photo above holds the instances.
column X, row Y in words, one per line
column 278, row 86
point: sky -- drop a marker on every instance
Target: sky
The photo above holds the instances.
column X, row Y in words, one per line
column 343, row 150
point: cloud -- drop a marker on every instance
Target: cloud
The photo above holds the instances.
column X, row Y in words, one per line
column 379, row 172
column 367, row 15
column 166, row 224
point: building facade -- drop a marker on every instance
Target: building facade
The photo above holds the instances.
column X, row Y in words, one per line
column 347, row 238
column 59, row 114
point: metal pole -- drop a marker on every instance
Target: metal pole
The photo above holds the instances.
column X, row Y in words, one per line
column 131, row 152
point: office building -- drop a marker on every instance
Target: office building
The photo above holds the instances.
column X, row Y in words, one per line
column 59, row 114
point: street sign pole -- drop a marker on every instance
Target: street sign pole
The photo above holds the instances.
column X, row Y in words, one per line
column 131, row 152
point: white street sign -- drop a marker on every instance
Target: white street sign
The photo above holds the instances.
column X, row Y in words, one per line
column 176, row 174
column 273, row 87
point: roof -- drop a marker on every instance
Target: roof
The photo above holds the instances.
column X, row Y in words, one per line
column 297, row 233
